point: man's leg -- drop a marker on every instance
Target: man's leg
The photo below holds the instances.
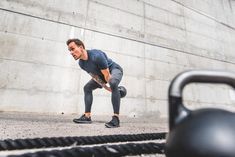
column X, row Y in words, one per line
column 115, row 96
column 88, row 96
column 88, row 99
column 116, row 76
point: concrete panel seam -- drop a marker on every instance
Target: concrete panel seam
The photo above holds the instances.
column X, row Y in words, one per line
column 208, row 16
column 118, row 36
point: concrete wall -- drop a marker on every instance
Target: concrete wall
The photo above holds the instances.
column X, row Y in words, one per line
column 153, row 40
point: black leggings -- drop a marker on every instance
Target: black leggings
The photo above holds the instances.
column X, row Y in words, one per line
column 115, row 98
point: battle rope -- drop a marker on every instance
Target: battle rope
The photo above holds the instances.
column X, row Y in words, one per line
column 10, row 144
column 102, row 151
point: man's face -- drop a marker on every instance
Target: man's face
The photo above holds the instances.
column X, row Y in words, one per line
column 75, row 51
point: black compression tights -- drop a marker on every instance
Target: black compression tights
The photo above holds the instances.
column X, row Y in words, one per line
column 115, row 98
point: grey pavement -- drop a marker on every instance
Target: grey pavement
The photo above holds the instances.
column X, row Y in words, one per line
column 15, row 125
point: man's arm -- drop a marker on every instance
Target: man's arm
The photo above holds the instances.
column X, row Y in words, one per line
column 102, row 64
column 100, row 82
column 106, row 74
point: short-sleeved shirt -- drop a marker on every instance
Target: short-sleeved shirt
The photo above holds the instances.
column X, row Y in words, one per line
column 97, row 61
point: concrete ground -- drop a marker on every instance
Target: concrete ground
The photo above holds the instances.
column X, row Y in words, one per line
column 15, row 125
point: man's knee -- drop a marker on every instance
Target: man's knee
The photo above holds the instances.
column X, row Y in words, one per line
column 113, row 83
column 87, row 88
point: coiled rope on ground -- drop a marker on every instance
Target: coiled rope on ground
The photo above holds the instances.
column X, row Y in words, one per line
column 101, row 151
column 46, row 142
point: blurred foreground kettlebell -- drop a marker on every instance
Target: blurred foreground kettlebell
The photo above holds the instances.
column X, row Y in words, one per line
column 122, row 91
column 201, row 133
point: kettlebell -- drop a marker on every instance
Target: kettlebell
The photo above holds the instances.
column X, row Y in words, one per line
column 122, row 91
column 207, row 132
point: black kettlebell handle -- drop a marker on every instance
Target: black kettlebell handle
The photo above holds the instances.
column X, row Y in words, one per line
column 177, row 111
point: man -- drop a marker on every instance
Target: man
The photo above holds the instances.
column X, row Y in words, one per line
column 96, row 62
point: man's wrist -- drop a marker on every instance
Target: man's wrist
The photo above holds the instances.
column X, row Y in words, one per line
column 109, row 78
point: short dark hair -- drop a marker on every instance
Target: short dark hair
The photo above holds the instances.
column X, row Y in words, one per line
column 76, row 41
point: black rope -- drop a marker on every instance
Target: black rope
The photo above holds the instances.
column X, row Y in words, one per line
column 101, row 151
column 10, row 144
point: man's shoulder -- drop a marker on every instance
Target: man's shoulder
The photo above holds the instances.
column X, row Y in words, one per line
column 95, row 54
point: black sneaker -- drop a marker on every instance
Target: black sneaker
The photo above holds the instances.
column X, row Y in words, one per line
column 83, row 119
column 114, row 123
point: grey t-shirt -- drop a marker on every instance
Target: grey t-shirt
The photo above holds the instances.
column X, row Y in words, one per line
column 97, row 61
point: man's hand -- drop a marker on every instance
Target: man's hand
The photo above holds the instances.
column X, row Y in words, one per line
column 106, row 74
column 100, row 81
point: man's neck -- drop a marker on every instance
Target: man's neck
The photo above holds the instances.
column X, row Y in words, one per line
column 84, row 55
